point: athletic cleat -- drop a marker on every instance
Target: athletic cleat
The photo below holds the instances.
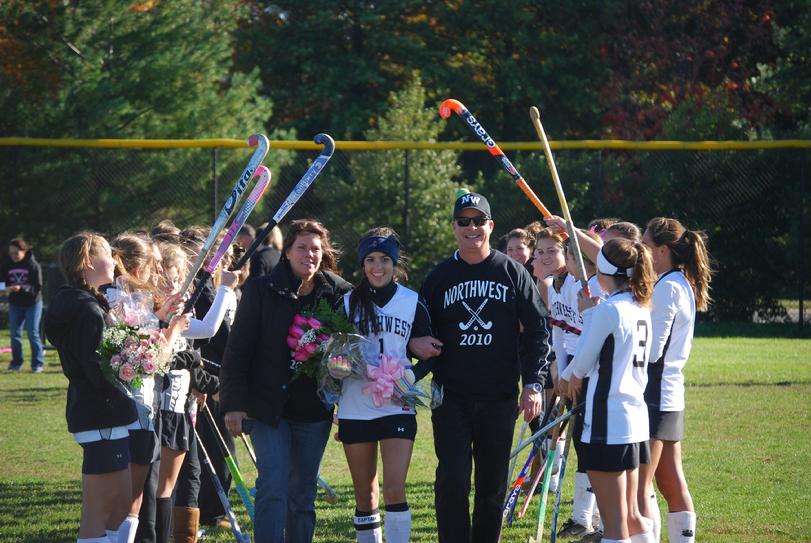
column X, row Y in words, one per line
column 594, row 537
column 37, row 369
column 573, row 529
column 13, row 368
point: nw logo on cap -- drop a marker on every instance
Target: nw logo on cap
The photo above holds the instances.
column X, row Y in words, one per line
column 468, row 198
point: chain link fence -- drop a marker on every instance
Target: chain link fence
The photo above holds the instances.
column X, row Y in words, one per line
column 752, row 204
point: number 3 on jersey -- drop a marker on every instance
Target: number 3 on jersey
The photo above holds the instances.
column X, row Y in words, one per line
column 639, row 350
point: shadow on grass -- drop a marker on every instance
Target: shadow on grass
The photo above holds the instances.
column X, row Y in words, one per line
column 34, row 395
column 751, row 329
column 37, row 511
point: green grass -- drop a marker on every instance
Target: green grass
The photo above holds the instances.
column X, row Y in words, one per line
column 746, row 455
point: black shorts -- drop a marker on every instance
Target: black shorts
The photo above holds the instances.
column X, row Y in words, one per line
column 666, row 425
column 144, row 447
column 175, row 430
column 602, row 457
column 105, row 456
column 366, row 431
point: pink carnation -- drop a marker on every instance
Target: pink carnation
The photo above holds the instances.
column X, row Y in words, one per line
column 295, row 331
column 149, row 367
column 310, row 348
column 314, row 323
column 300, row 320
column 126, row 373
column 115, row 361
column 301, row 356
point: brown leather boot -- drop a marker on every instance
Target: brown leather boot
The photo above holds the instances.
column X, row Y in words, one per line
column 185, row 522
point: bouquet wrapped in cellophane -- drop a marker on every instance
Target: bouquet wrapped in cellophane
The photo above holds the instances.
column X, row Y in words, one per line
column 134, row 349
column 343, row 356
column 391, row 380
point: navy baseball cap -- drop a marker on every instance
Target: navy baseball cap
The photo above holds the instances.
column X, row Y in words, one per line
column 472, row 200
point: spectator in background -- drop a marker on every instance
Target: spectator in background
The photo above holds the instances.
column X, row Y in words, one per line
column 519, row 245
column 246, row 235
column 22, row 276
column 267, row 255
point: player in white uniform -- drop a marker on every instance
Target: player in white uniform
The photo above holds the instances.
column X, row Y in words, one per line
column 613, row 351
column 680, row 259
column 390, row 315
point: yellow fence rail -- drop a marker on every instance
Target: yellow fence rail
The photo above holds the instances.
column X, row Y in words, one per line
column 408, row 145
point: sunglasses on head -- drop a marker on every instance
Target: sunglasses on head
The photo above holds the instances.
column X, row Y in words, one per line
column 465, row 221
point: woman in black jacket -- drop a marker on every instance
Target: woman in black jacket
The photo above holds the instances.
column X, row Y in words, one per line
column 289, row 425
column 22, row 276
column 97, row 412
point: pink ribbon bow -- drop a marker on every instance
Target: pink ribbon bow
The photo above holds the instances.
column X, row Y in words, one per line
column 383, row 378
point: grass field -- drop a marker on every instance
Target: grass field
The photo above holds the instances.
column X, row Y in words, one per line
column 747, row 454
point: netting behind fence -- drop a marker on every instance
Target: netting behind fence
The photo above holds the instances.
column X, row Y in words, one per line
column 751, row 203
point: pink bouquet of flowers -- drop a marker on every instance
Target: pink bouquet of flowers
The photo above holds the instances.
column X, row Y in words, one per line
column 309, row 334
column 131, row 353
column 134, row 348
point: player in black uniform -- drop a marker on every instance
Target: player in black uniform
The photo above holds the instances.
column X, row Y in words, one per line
column 478, row 301
column 97, row 412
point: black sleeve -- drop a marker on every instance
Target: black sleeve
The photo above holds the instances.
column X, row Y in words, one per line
column 204, row 382
column 421, row 327
column 185, row 360
column 243, row 341
column 35, row 279
column 84, row 342
column 534, row 339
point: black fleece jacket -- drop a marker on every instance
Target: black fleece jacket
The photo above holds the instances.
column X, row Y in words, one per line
column 256, row 372
column 26, row 273
column 74, row 323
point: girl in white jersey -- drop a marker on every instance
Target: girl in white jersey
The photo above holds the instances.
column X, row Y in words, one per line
column 613, row 351
column 681, row 260
column 389, row 315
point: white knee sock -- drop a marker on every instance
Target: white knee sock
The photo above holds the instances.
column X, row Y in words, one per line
column 681, row 527
column 647, row 535
column 604, row 540
column 126, row 532
column 583, row 500
column 93, row 540
column 367, row 526
column 398, row 523
column 656, row 517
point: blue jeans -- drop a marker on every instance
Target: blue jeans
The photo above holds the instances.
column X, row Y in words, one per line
column 288, row 457
column 30, row 317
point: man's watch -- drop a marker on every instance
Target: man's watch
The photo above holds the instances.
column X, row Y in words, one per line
column 534, row 387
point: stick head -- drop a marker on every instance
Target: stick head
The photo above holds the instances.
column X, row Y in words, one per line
column 327, row 141
column 258, row 140
column 449, row 105
column 534, row 114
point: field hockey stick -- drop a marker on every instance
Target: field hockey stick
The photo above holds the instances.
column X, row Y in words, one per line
column 554, row 529
column 231, row 234
column 515, row 490
column 242, row 488
column 542, row 470
column 531, row 439
column 229, row 512
column 535, row 115
column 449, row 105
column 523, row 431
column 262, row 146
column 551, row 457
column 300, row 188
column 331, row 497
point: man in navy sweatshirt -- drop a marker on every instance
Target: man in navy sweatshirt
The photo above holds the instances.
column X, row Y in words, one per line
column 487, row 313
